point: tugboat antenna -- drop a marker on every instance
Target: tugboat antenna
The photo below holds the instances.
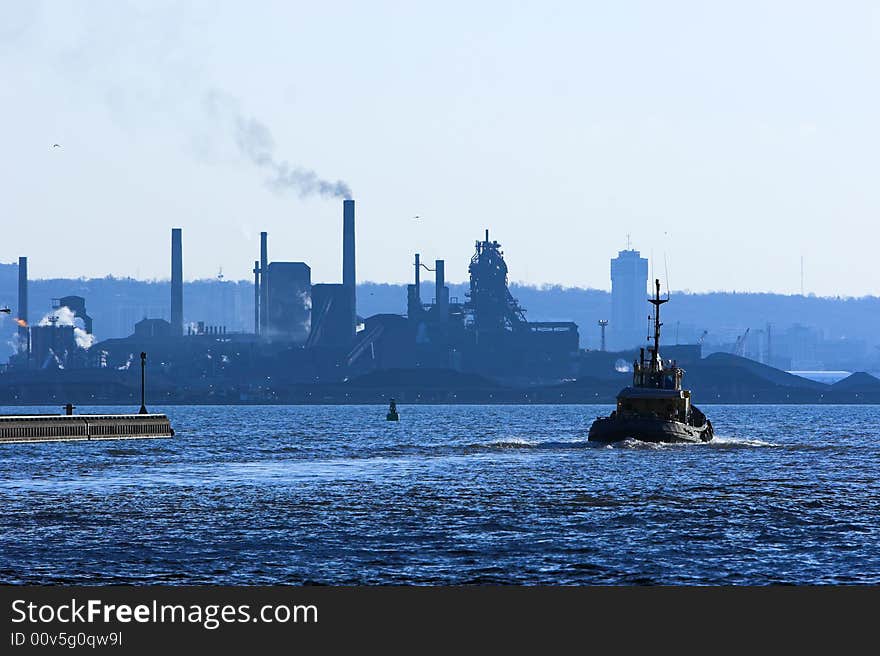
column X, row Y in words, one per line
column 656, row 302
column 666, row 270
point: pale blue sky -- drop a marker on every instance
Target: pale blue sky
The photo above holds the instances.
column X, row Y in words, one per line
column 733, row 137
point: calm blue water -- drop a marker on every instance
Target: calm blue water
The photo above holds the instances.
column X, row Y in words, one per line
column 451, row 494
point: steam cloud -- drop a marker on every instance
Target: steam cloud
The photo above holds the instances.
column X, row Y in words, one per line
column 306, row 298
column 64, row 316
column 255, row 142
column 16, row 343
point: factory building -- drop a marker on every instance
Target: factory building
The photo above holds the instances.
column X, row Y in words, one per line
column 60, row 340
column 289, row 288
column 287, row 307
column 52, row 346
column 487, row 334
column 503, row 342
column 331, row 317
column 77, row 305
column 150, row 328
column 629, row 291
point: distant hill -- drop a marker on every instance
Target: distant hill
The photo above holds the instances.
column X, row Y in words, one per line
column 734, row 365
column 857, row 381
column 725, row 378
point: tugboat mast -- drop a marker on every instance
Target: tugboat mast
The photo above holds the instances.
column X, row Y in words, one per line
column 656, row 302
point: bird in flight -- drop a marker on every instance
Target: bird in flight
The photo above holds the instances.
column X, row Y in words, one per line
column 56, row 145
column 417, row 217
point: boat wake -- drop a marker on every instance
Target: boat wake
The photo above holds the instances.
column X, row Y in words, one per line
column 522, row 443
column 734, row 442
column 633, row 443
column 717, row 442
column 509, row 443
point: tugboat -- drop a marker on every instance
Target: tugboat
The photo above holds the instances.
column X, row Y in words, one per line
column 392, row 412
column 655, row 408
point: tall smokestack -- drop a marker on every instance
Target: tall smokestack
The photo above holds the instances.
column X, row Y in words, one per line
column 348, row 274
column 177, row 281
column 256, row 297
column 24, row 344
column 418, row 280
column 439, row 278
column 441, row 293
column 264, row 288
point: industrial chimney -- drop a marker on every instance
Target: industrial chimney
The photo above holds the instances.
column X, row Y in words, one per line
column 418, row 280
column 348, row 273
column 256, row 297
column 176, row 282
column 264, row 288
column 441, row 291
column 413, row 296
column 23, row 341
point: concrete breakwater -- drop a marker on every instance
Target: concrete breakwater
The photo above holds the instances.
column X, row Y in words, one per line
column 52, row 428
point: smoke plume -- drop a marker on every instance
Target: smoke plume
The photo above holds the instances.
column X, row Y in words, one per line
column 64, row 316
column 256, row 143
column 16, row 343
column 306, row 298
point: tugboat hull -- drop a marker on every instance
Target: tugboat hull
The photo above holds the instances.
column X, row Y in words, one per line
column 644, row 429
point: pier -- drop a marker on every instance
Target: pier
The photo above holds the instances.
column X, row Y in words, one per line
column 71, row 427
column 57, row 428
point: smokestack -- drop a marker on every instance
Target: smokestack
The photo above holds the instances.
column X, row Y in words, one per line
column 176, row 281
column 439, row 278
column 264, row 288
column 441, row 293
column 418, row 280
column 256, row 297
column 24, row 342
column 348, row 273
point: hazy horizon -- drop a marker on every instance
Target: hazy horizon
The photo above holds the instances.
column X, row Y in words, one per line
column 729, row 142
column 427, row 284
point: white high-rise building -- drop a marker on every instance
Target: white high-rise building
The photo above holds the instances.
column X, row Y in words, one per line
column 629, row 308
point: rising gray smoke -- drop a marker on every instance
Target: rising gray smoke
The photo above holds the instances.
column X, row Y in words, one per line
column 255, row 142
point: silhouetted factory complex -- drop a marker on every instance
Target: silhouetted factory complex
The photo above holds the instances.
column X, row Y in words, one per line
column 309, row 344
column 311, row 334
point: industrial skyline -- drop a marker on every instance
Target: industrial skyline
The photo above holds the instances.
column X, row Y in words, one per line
column 289, row 309
column 48, row 270
column 562, row 128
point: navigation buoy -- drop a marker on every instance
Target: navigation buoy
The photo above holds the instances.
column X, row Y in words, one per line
column 392, row 412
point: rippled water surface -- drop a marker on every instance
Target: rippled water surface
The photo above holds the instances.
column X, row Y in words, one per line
column 450, row 494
